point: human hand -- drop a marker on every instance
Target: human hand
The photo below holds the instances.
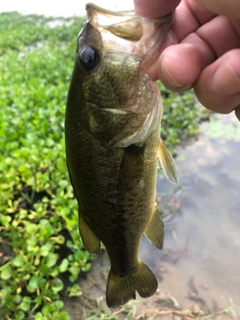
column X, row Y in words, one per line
column 201, row 50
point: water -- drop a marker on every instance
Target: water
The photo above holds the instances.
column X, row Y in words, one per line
column 201, row 257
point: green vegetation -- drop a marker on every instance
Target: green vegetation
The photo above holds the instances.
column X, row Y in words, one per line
column 41, row 253
column 179, row 118
column 38, row 217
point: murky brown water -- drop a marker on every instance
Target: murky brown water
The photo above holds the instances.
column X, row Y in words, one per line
column 200, row 263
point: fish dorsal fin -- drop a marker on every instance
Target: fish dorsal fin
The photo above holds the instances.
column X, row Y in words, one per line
column 167, row 163
column 155, row 229
column 90, row 240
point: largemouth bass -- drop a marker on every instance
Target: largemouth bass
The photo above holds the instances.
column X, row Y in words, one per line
column 112, row 143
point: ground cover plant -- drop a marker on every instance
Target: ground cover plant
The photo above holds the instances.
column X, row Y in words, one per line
column 41, row 253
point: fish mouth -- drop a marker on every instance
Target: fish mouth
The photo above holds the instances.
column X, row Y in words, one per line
column 124, row 25
column 129, row 33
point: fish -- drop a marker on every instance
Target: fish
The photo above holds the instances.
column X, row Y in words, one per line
column 113, row 144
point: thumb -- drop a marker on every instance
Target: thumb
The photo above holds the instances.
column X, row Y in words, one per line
column 154, row 8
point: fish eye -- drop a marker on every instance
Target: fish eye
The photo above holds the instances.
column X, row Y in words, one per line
column 89, row 58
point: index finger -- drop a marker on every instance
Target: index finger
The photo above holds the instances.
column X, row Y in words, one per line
column 230, row 8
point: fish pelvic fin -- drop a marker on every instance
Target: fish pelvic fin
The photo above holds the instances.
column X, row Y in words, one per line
column 90, row 240
column 155, row 229
column 167, row 162
column 122, row 289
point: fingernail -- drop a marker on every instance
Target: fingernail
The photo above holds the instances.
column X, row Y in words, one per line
column 226, row 81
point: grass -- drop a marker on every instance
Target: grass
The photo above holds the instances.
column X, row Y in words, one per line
column 130, row 311
column 41, row 253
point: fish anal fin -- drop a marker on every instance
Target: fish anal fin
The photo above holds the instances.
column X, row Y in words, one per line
column 167, row 162
column 155, row 230
column 122, row 289
column 90, row 240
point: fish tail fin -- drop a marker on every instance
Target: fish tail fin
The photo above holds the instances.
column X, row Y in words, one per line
column 122, row 289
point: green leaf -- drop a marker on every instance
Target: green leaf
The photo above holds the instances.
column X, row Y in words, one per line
column 56, row 285
column 74, row 270
column 18, row 261
column 31, row 227
column 25, row 304
column 47, row 309
column 45, row 249
column 44, row 269
column 33, row 283
column 58, row 304
column 39, row 316
column 6, row 272
column 17, row 299
column 20, row 315
column 74, row 291
column 62, row 316
column 39, row 300
column 64, row 265
column 51, row 259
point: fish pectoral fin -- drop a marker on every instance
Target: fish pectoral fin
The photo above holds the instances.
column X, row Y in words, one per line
column 155, row 229
column 131, row 168
column 90, row 240
column 121, row 289
column 167, row 162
